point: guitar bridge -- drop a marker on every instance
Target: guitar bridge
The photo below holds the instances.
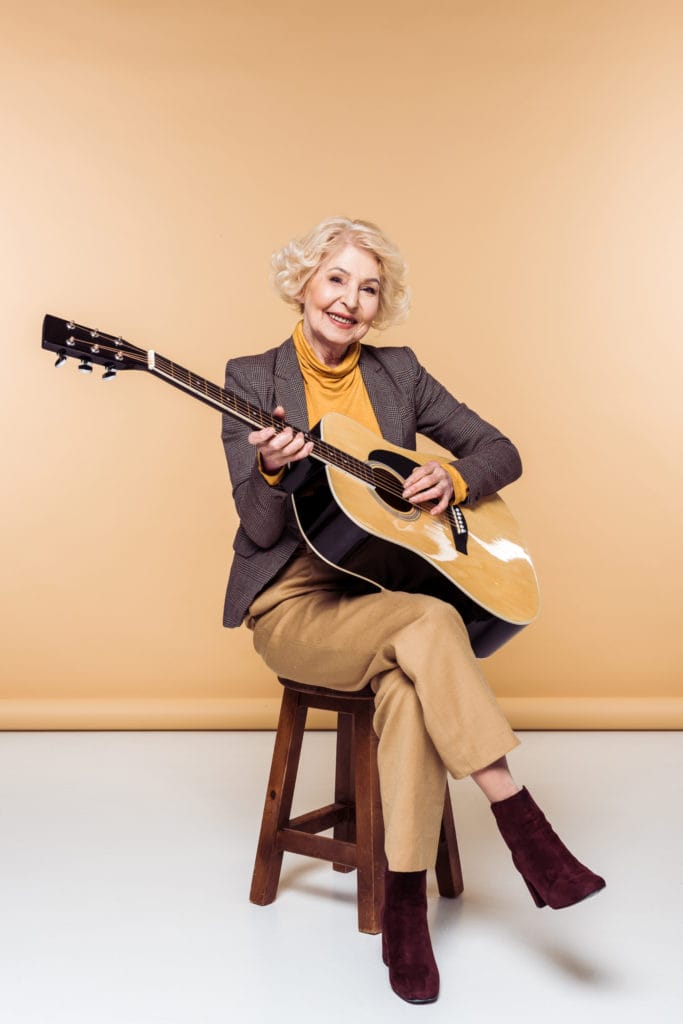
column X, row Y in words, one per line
column 459, row 528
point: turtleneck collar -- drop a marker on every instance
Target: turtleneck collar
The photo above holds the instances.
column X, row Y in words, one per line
column 309, row 361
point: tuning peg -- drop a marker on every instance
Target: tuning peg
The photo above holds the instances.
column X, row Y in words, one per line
column 61, row 358
column 85, row 366
column 109, row 372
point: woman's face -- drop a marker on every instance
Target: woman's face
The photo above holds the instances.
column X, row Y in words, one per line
column 340, row 302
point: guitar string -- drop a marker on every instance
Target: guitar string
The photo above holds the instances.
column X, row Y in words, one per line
column 334, row 456
column 238, row 405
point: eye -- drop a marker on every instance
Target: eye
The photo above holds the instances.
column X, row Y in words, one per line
column 336, row 278
column 370, row 288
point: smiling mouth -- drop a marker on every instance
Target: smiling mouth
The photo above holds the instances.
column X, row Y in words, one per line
column 343, row 321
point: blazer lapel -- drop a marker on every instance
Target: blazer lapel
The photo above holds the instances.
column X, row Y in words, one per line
column 389, row 411
column 289, row 386
column 392, row 414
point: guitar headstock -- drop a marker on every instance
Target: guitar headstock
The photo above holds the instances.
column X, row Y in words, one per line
column 74, row 341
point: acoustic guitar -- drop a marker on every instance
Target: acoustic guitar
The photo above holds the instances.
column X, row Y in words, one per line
column 348, row 502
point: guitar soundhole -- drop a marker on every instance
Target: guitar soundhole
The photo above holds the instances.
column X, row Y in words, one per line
column 388, row 487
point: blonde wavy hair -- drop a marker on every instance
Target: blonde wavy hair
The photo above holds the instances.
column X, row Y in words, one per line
column 296, row 263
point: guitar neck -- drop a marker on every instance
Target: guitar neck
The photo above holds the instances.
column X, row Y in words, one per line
column 209, row 393
column 230, row 403
column 71, row 340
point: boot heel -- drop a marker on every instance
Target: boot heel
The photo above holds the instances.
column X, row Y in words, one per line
column 554, row 877
column 385, row 951
column 536, row 896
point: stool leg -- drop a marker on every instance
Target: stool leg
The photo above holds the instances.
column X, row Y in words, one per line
column 369, row 826
column 278, row 804
column 344, row 782
column 448, row 869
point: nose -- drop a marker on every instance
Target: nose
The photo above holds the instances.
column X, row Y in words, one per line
column 350, row 297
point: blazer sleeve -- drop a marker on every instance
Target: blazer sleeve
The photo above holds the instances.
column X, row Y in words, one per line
column 263, row 509
column 487, row 460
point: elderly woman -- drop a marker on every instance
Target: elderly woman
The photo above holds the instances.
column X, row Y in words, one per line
column 434, row 710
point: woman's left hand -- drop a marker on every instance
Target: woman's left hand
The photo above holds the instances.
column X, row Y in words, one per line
column 430, row 482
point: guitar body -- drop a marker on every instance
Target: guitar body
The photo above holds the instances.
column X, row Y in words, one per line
column 375, row 536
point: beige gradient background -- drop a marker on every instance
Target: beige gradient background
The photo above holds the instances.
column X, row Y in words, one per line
column 528, row 158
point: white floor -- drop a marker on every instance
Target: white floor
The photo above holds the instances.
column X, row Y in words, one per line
column 125, row 861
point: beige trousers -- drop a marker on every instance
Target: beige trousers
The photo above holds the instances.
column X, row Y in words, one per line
column 434, row 710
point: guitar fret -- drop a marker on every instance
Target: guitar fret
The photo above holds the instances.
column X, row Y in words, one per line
column 255, row 416
column 231, row 402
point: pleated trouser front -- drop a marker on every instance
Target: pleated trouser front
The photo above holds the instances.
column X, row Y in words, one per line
column 434, row 710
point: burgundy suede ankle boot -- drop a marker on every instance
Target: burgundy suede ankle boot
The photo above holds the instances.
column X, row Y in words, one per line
column 406, row 946
column 553, row 875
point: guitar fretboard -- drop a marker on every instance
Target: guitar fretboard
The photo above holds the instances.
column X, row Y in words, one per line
column 229, row 402
column 70, row 339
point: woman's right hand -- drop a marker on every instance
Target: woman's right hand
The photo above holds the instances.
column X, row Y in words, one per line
column 278, row 449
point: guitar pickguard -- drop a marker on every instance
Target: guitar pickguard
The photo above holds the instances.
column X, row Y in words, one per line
column 404, row 467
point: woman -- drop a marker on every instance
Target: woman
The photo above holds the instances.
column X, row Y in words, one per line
column 311, row 622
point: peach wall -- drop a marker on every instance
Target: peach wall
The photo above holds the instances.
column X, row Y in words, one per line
column 528, row 158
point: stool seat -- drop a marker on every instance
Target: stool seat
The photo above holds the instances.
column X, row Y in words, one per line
column 366, row 693
column 355, row 815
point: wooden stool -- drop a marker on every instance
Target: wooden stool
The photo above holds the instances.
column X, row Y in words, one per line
column 355, row 815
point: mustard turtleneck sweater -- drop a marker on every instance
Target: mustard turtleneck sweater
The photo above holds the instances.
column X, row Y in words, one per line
column 341, row 389
column 334, row 388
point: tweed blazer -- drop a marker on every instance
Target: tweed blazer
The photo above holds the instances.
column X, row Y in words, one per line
column 406, row 400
